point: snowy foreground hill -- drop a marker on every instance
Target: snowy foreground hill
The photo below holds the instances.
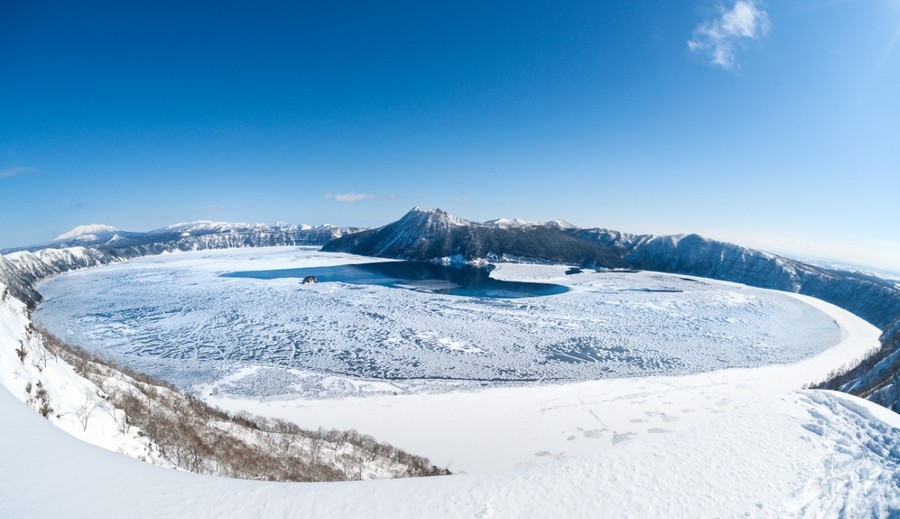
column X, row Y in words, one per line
column 807, row 453
column 760, row 447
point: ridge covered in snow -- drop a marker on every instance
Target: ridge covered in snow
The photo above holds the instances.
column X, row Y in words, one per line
column 201, row 234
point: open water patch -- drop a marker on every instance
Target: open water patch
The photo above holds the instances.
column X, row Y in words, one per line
column 463, row 280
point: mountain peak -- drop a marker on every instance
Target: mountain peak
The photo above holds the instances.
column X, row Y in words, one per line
column 562, row 224
column 86, row 231
column 432, row 218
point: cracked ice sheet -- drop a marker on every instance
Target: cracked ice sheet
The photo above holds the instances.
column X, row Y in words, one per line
column 503, row 428
column 174, row 317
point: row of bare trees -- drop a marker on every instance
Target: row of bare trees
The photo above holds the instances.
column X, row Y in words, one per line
column 197, row 437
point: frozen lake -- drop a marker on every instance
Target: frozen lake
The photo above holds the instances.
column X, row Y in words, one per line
column 462, row 280
column 183, row 318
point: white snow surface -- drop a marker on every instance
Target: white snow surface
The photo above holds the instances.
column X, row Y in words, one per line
column 804, row 454
column 440, row 419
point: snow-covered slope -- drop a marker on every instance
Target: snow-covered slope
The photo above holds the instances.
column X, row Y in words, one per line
column 809, row 453
column 35, row 375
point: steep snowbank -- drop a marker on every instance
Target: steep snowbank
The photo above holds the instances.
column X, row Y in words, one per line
column 33, row 374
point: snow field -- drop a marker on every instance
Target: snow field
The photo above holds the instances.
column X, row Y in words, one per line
column 766, row 459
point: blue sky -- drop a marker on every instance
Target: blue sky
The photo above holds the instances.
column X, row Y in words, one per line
column 772, row 124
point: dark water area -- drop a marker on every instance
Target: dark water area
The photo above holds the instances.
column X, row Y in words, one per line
column 462, row 280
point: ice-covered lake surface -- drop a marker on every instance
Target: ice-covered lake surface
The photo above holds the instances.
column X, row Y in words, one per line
column 177, row 317
column 454, row 280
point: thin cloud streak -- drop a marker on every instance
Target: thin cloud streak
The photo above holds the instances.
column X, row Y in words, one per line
column 349, row 197
column 718, row 39
column 15, row 172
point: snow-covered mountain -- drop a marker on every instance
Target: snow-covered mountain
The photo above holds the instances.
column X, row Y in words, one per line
column 21, row 270
column 505, row 223
column 432, row 234
column 93, row 233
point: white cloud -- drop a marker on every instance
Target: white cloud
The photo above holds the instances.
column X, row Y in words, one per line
column 891, row 244
column 717, row 39
column 350, row 197
column 14, row 172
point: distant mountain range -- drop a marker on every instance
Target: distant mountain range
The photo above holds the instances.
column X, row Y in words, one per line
column 191, row 236
column 93, row 245
column 435, row 235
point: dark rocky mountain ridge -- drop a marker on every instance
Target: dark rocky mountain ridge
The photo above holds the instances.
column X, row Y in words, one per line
column 427, row 235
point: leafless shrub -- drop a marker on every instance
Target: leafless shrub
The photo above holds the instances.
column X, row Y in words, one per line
column 43, row 400
column 86, row 409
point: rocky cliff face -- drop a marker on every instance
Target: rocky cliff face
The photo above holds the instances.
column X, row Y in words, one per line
column 94, row 245
column 20, row 271
column 193, row 236
column 874, row 299
column 877, row 378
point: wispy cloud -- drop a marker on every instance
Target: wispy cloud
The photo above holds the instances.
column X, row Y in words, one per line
column 891, row 244
column 349, row 197
column 718, row 39
column 15, row 172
